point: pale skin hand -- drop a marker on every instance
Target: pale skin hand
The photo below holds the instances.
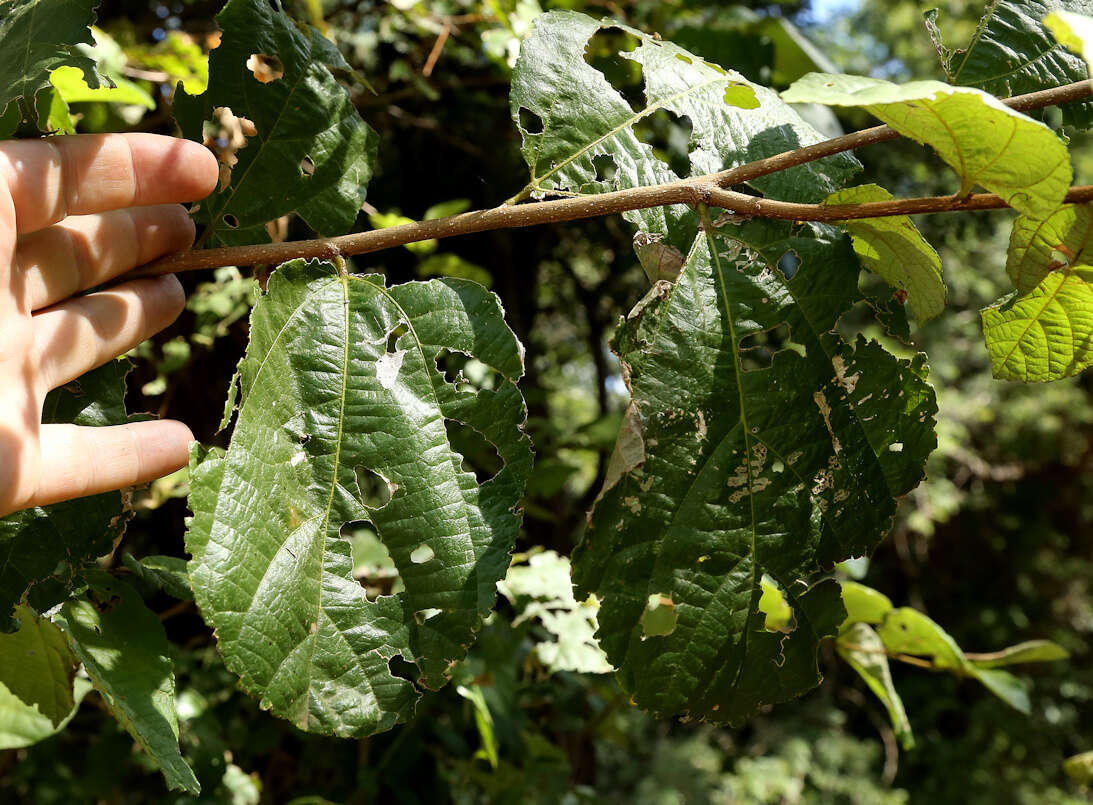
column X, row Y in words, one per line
column 76, row 212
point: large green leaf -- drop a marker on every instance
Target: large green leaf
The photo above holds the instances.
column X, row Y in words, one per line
column 343, row 418
column 39, row 691
column 864, row 651
column 310, row 152
column 37, row 37
column 1044, row 334
column 727, row 473
column 894, row 248
column 42, row 550
column 1011, row 53
column 123, row 648
column 585, row 123
column 982, row 139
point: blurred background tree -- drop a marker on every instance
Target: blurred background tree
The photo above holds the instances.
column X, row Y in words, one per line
column 996, row 545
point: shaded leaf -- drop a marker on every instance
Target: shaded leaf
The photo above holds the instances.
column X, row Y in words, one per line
column 343, row 417
column 42, row 550
column 123, row 648
column 39, row 691
column 894, row 248
column 864, row 651
column 1011, row 52
column 982, row 139
column 310, row 152
column 167, row 573
column 38, row 37
column 1046, row 333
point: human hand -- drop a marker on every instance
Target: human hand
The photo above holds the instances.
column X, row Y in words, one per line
column 75, row 212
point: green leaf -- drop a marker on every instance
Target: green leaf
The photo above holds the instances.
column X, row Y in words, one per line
column 864, row 651
column 540, row 587
column 724, row 474
column 311, row 152
column 1044, row 334
column 72, row 88
column 586, row 123
column 773, row 604
column 39, row 691
column 452, row 265
column 123, row 648
column 894, row 248
column 1029, row 651
column 343, row 418
column 1011, row 52
column 43, row 550
column 1073, row 31
column 982, row 139
column 864, row 604
column 1039, row 247
column 38, row 37
column 167, row 573
column 1079, row 768
column 908, row 631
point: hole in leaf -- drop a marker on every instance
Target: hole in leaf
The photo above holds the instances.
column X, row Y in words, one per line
column 757, row 350
column 479, row 454
column 392, row 337
column 773, row 604
column 605, row 168
column 231, row 221
column 659, row 618
column 307, row 166
column 266, row 69
column 530, row 122
column 402, row 668
column 603, row 53
column 389, row 364
column 895, row 447
column 669, row 135
column 373, row 490
column 373, row 566
column 226, row 135
column 466, row 373
column 423, row 615
column 789, row 264
column 422, row 554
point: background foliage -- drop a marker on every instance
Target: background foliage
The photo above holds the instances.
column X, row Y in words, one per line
column 995, row 545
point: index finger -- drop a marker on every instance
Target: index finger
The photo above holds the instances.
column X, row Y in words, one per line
column 52, row 178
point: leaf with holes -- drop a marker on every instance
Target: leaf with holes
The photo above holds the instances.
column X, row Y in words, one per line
column 577, row 127
column 38, row 37
column 736, row 476
column 894, row 248
column 123, row 648
column 292, row 140
column 43, row 550
column 345, row 417
column 1039, row 247
column 978, row 136
column 1011, row 53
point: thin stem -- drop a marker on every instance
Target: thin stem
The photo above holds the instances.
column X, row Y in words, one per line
column 707, row 190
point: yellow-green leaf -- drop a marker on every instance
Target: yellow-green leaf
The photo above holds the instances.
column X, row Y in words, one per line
column 894, row 248
column 983, row 140
column 1075, row 31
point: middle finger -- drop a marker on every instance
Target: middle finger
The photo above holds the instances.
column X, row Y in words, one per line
column 86, row 250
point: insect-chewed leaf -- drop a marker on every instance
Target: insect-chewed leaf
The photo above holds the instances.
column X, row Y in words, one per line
column 299, row 144
column 38, row 37
column 342, row 418
column 981, row 138
column 1011, row 52
column 735, row 471
column 1039, row 247
column 894, row 248
column 584, row 122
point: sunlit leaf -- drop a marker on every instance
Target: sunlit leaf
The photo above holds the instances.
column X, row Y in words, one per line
column 864, row 604
column 864, row 651
column 982, row 139
column 123, row 648
column 344, row 417
column 309, row 152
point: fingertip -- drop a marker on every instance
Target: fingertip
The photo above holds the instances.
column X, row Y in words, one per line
column 185, row 169
column 170, row 295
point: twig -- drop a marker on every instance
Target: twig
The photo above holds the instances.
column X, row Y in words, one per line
column 707, row 190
